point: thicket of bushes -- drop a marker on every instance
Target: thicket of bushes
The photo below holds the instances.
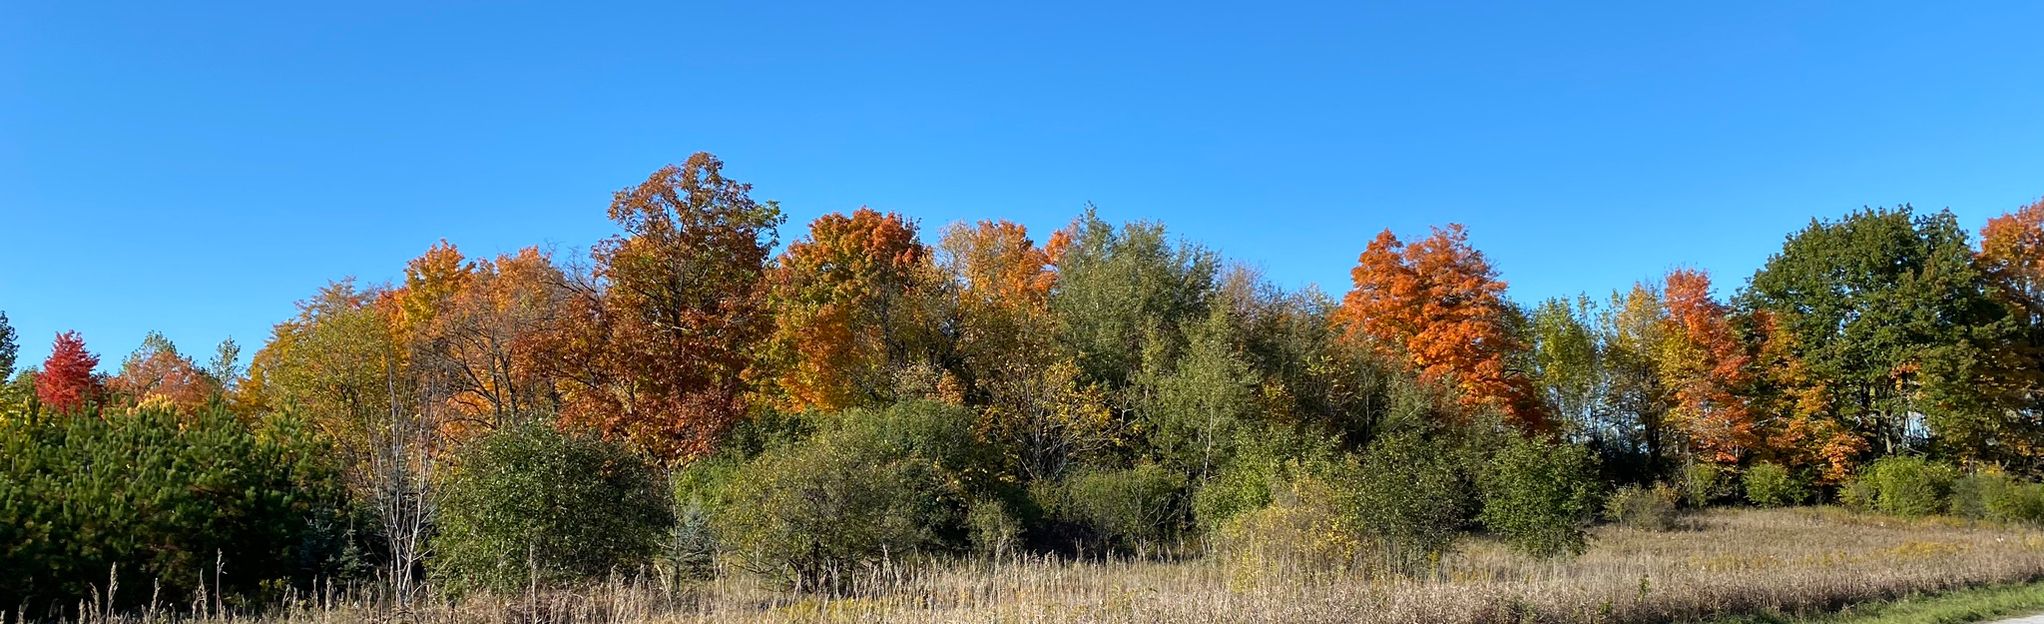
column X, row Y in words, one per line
column 1914, row 486
column 175, row 501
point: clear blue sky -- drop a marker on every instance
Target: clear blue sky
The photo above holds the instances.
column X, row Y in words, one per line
column 197, row 167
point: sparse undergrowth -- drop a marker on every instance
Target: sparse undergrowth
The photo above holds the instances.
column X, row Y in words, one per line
column 1765, row 563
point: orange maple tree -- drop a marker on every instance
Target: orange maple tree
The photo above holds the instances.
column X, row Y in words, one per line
column 855, row 303
column 656, row 348
column 1707, row 366
column 1439, row 306
column 157, row 374
column 2012, row 254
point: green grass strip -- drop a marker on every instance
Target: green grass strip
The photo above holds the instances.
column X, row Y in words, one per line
column 1979, row 604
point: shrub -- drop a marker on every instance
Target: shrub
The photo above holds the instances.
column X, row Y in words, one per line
column 699, row 489
column 1411, row 499
column 1265, row 461
column 1859, row 494
column 1309, row 525
column 1704, row 483
column 1645, row 508
column 1995, row 496
column 2019, row 502
column 1770, row 485
column 1537, row 496
column 1910, row 486
column 1125, row 508
column 1970, row 494
column 167, row 498
column 995, row 532
column 529, row 504
column 874, row 486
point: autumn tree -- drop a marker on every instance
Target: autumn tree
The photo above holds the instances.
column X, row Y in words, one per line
column 1010, row 359
column 857, row 303
column 337, row 362
column 157, row 374
column 476, row 333
column 2012, row 259
column 659, row 340
column 66, row 382
column 1805, row 432
column 1632, row 418
column 1706, row 364
column 1439, row 306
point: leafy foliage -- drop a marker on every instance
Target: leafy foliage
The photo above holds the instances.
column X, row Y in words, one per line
column 1771, row 485
column 66, row 382
column 1648, row 508
column 529, row 504
column 1438, row 305
column 855, row 303
column 656, row 350
column 1538, row 496
column 1909, row 486
column 1126, row 509
column 1887, row 309
column 878, row 486
column 171, row 499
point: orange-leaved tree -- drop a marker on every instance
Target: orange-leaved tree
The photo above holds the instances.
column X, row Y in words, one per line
column 856, row 303
column 2012, row 260
column 1705, row 363
column 1439, row 306
column 656, row 345
column 157, row 374
column 1013, row 364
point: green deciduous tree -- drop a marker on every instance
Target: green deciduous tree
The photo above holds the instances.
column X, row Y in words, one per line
column 1123, row 291
column 1888, row 310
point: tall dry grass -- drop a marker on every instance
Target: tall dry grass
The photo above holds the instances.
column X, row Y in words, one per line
column 1737, row 561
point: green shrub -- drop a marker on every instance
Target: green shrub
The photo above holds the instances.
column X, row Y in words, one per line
column 529, row 504
column 874, row 486
column 2019, row 502
column 1910, row 486
column 1770, row 485
column 1645, row 508
column 1859, row 494
column 1703, row 484
column 167, row 498
column 1266, row 460
column 1411, row 499
column 995, row 532
column 1970, row 494
column 1123, row 509
column 1995, row 496
column 1538, row 495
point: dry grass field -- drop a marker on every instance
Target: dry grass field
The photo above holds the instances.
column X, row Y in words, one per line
column 1725, row 563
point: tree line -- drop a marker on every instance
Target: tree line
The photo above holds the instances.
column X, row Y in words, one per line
column 873, row 389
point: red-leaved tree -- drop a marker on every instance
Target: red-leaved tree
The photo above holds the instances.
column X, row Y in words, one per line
column 66, row 382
